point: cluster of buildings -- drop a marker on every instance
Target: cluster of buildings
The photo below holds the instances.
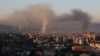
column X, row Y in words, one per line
column 30, row 40
column 91, row 39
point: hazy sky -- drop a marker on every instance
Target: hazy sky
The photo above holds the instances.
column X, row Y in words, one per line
column 59, row 6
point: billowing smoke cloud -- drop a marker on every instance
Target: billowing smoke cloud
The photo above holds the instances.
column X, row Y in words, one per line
column 34, row 17
column 77, row 16
column 40, row 17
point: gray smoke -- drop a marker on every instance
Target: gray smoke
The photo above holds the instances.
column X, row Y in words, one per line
column 77, row 15
column 40, row 17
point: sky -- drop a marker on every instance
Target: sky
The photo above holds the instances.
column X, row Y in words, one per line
column 59, row 6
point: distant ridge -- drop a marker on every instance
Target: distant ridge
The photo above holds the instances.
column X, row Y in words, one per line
column 5, row 27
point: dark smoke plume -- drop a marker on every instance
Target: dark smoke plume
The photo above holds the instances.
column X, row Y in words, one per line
column 77, row 15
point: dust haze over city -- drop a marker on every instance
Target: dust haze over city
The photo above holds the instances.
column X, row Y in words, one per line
column 41, row 16
column 49, row 28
